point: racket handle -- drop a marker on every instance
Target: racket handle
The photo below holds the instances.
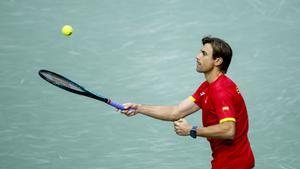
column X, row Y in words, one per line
column 116, row 105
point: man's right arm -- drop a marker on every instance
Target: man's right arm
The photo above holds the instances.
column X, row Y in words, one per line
column 166, row 113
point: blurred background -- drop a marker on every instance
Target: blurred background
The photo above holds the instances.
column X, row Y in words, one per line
column 141, row 51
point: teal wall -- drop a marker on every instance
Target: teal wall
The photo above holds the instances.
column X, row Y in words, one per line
column 141, row 51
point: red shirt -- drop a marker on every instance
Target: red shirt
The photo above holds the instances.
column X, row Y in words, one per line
column 221, row 101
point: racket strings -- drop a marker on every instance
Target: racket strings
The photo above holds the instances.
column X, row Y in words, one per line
column 61, row 82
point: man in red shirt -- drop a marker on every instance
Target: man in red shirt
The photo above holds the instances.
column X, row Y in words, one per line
column 224, row 113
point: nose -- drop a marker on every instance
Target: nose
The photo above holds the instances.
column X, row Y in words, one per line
column 198, row 56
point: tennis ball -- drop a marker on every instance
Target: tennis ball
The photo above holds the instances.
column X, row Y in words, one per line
column 67, row 30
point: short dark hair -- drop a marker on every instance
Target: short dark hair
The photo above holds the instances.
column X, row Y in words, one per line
column 220, row 49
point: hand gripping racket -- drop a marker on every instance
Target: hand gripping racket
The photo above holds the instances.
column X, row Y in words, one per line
column 68, row 85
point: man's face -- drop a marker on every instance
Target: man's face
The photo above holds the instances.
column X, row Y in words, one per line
column 205, row 61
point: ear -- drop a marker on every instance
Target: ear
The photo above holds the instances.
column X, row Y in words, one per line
column 219, row 61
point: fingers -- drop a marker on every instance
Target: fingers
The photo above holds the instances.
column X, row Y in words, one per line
column 130, row 113
column 176, row 123
column 127, row 106
column 180, row 120
column 130, row 109
column 181, row 127
column 179, row 131
column 177, row 127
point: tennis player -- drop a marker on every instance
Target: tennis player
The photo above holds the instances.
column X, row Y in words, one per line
column 224, row 113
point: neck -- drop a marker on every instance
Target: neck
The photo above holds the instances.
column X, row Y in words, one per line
column 212, row 75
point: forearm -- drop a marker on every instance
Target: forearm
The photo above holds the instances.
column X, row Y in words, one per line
column 166, row 113
column 219, row 131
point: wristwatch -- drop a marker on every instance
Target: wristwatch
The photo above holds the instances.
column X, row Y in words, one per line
column 193, row 132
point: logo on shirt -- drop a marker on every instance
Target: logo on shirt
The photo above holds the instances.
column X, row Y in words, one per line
column 225, row 108
column 202, row 93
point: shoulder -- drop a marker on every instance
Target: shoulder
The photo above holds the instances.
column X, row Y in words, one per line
column 203, row 86
column 224, row 87
column 224, row 83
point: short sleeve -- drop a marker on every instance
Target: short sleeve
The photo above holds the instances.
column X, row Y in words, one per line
column 197, row 96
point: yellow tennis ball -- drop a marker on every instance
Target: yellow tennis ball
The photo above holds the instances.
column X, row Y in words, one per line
column 67, row 30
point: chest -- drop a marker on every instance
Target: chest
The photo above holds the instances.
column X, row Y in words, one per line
column 209, row 115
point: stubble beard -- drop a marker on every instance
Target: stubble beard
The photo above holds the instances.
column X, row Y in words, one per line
column 200, row 69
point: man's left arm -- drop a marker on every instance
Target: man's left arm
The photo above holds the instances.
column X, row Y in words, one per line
column 225, row 130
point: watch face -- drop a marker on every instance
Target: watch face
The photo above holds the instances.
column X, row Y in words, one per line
column 193, row 133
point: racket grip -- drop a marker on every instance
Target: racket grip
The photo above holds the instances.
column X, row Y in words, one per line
column 116, row 105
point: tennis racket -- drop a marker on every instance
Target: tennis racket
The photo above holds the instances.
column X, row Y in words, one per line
column 68, row 85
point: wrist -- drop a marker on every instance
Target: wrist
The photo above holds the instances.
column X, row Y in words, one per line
column 193, row 132
column 138, row 108
column 189, row 129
